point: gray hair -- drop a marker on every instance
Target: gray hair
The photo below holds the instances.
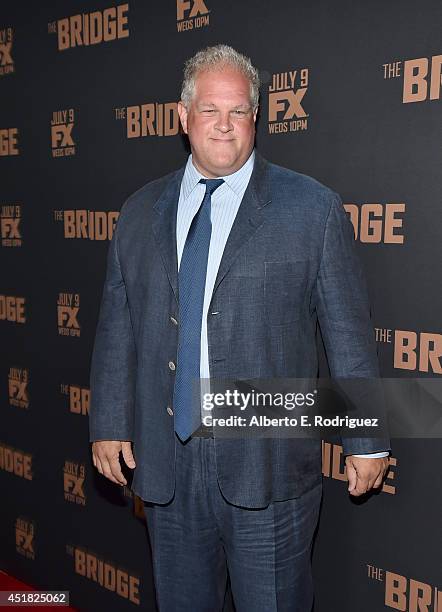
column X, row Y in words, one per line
column 215, row 58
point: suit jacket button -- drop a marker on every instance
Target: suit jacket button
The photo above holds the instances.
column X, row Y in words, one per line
column 171, row 366
column 169, row 410
column 174, row 321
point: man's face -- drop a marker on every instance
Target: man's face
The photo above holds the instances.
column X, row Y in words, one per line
column 220, row 122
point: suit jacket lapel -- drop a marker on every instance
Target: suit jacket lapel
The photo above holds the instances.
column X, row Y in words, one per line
column 249, row 218
column 164, row 227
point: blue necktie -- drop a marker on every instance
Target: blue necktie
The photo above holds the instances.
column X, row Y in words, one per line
column 191, row 286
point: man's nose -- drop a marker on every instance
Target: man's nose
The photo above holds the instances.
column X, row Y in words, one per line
column 224, row 123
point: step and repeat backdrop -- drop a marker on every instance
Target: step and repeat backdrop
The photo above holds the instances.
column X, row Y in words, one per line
column 351, row 94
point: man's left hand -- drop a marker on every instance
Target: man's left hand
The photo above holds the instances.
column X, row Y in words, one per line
column 364, row 473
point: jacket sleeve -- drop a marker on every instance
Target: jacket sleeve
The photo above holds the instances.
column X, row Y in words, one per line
column 342, row 304
column 113, row 365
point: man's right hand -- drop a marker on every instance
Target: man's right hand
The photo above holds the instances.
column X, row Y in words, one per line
column 105, row 455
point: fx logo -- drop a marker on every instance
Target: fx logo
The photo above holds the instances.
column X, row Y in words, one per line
column 288, row 102
column 67, row 316
column 24, row 540
column 74, row 484
column 183, row 6
column 17, row 390
column 9, row 227
column 5, row 53
column 61, row 135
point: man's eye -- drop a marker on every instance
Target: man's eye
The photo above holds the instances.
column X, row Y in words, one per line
column 208, row 110
column 239, row 112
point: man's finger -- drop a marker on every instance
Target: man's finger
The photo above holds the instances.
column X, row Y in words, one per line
column 371, row 482
column 127, row 455
column 378, row 481
column 115, row 467
column 108, row 471
column 361, row 486
column 99, row 466
column 351, row 475
column 381, row 476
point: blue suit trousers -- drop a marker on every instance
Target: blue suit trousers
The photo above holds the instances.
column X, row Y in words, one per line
column 198, row 537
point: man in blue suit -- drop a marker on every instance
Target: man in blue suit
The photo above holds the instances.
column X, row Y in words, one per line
column 222, row 270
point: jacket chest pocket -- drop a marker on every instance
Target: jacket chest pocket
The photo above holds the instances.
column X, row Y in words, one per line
column 285, row 286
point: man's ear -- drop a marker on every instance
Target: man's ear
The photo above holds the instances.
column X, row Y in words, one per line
column 182, row 113
column 255, row 114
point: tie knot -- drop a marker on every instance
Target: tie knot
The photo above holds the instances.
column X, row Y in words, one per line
column 211, row 184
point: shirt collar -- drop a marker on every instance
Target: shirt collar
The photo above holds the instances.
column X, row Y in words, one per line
column 235, row 181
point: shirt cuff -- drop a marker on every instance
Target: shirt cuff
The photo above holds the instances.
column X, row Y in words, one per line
column 374, row 455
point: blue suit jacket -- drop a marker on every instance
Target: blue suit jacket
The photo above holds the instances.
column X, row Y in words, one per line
column 289, row 261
